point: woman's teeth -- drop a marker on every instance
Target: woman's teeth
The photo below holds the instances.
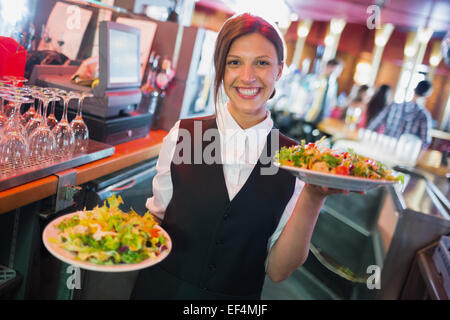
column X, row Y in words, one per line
column 248, row 92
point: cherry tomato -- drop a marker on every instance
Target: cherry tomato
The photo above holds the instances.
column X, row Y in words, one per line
column 342, row 169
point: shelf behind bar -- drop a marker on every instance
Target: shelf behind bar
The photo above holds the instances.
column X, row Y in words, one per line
column 126, row 154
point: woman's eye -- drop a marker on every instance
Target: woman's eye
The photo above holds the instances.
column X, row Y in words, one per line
column 263, row 63
column 232, row 62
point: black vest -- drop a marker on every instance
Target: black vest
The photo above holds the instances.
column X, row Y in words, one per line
column 221, row 246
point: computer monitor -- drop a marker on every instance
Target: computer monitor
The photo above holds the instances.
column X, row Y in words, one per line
column 119, row 56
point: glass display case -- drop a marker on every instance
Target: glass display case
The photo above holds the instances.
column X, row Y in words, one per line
column 363, row 246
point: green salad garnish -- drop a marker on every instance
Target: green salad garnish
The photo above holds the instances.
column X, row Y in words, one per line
column 107, row 236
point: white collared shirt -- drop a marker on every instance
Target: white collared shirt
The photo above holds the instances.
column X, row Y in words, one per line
column 240, row 151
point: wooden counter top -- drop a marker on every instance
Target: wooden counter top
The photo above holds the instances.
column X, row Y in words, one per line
column 337, row 129
column 125, row 155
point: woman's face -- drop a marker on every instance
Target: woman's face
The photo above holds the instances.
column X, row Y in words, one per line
column 250, row 74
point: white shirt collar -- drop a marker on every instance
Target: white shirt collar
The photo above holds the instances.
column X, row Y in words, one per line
column 239, row 144
column 228, row 127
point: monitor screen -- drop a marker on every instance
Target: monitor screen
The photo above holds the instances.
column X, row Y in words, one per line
column 124, row 64
column 119, row 56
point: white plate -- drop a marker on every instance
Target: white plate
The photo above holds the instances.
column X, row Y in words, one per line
column 51, row 231
column 335, row 181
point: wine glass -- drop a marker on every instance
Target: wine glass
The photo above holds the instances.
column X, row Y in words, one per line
column 32, row 110
column 42, row 141
column 3, row 118
column 15, row 99
column 14, row 145
column 79, row 127
column 35, row 120
column 24, row 92
column 6, row 87
column 16, row 80
column 9, row 107
column 63, row 131
column 51, row 119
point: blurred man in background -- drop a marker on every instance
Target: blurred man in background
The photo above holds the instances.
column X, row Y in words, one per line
column 326, row 94
column 408, row 117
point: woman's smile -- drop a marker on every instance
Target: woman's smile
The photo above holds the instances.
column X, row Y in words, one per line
column 248, row 93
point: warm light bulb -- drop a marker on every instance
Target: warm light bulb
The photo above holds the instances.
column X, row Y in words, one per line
column 329, row 40
column 409, row 51
column 302, row 32
column 362, row 73
column 380, row 41
column 434, row 61
column 425, row 35
column 337, row 25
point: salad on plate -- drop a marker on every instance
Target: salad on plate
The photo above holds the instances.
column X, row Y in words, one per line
column 108, row 236
column 319, row 158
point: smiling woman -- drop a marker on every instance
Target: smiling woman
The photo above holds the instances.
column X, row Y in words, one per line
column 228, row 220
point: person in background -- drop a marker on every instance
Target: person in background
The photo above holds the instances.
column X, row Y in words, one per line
column 356, row 110
column 408, row 117
column 230, row 223
column 325, row 95
column 381, row 98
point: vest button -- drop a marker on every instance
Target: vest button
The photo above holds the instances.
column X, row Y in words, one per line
column 212, row 267
column 225, row 216
column 219, row 242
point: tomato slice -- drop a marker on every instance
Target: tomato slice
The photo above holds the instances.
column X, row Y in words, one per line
column 154, row 233
column 342, row 169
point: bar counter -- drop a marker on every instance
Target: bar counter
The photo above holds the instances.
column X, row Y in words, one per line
column 126, row 154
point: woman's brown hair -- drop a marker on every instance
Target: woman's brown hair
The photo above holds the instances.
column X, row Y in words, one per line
column 235, row 27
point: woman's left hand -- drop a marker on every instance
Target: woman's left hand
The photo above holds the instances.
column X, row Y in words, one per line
column 324, row 191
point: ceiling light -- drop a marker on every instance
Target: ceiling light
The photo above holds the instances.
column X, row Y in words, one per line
column 302, row 32
column 410, row 51
column 434, row 61
column 329, row 40
column 337, row 25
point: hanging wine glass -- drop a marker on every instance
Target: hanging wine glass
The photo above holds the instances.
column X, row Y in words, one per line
column 6, row 87
column 24, row 92
column 79, row 127
column 32, row 110
column 34, row 122
column 42, row 141
column 14, row 145
column 9, row 107
column 63, row 131
column 51, row 119
column 3, row 118
column 15, row 117
column 16, row 81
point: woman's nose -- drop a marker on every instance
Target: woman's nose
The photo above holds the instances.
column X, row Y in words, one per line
column 248, row 74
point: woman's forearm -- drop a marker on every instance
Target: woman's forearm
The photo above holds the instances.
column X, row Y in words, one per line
column 291, row 249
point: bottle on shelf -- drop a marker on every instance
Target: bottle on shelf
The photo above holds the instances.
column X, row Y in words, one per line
column 151, row 95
